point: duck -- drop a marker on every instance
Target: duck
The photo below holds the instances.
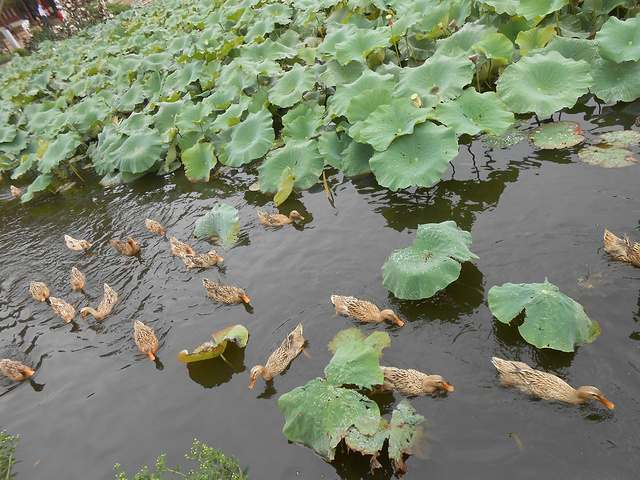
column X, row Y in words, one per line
column 77, row 245
column 622, row 248
column 545, row 385
column 363, row 310
column 77, row 279
column 179, row 248
column 104, row 307
column 63, row 309
column 224, row 293
column 128, row 247
column 280, row 359
column 201, row 260
column 277, row 219
column 15, row 370
column 412, row 382
column 145, row 339
column 15, row 191
column 153, row 226
column 39, row 291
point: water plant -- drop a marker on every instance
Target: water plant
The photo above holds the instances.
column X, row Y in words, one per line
column 216, row 347
column 8, row 445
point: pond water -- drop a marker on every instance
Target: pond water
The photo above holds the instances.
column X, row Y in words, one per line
column 95, row 400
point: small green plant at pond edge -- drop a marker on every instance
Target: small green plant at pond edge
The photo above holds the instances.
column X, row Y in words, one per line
column 8, row 444
column 214, row 465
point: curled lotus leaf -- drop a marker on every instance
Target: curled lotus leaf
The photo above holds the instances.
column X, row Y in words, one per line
column 619, row 40
column 557, row 135
column 339, row 102
column 216, row 347
column 534, row 38
column 496, row 46
column 552, row 319
column 222, row 221
column 304, row 160
column 62, row 148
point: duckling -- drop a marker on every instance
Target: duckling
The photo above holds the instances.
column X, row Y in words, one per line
column 280, row 359
column 180, row 248
column 277, row 219
column 15, row 191
column 153, row 226
column 201, row 260
column 63, row 309
column 77, row 279
column 104, row 307
column 145, row 339
column 412, row 382
column 15, row 370
column 224, row 293
column 39, row 291
column 77, row 245
column 363, row 310
column 128, row 247
column 622, row 248
column 545, row 385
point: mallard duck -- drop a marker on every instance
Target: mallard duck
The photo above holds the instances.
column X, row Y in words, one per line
column 15, row 370
column 277, row 219
column 201, row 260
column 363, row 310
column 289, row 349
column 224, row 293
column 15, row 191
column 153, row 226
column 77, row 279
column 39, row 291
column 180, row 248
column 412, row 382
column 74, row 244
column 128, row 247
column 104, row 307
column 145, row 339
column 545, row 385
column 63, row 309
column 622, row 248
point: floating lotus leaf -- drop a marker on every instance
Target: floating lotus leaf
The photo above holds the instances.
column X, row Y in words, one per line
column 619, row 41
column 289, row 88
column 557, row 135
column 285, row 186
column 615, row 82
column 417, row 159
column 62, row 148
column 430, row 264
column 198, row 161
column 613, row 157
column 216, row 347
column 139, row 152
column 358, row 45
column 552, row 320
column 622, row 138
column 222, row 222
column 338, row 103
column 543, row 84
column 304, row 160
column 473, row 112
column 511, row 136
column 530, row 9
column 496, row 46
column 250, row 139
column 534, row 38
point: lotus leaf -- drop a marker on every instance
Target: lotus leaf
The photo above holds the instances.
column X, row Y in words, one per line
column 231, row 116
column 302, row 157
column 613, row 157
column 432, row 263
column 338, row 103
column 250, row 139
column 7, row 133
column 619, row 41
column 497, row 46
column 139, row 152
column 198, row 162
column 405, row 434
column 88, row 113
column 621, row 138
column 134, row 96
column 216, row 347
column 552, row 320
column 574, row 48
column 285, row 186
column 134, row 123
column 535, row 38
column 557, row 135
column 289, row 89
column 615, row 82
column 345, row 154
column 530, row 9
column 40, row 183
column 473, row 112
column 303, row 121
column 62, row 148
column 335, row 34
column 358, row 45
column 364, row 103
column 335, row 74
column 222, row 222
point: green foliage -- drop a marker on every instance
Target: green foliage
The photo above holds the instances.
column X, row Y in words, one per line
column 8, row 446
column 557, row 135
column 221, row 222
column 116, row 8
column 216, row 347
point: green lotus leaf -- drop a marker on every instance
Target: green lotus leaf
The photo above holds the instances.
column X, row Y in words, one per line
column 406, row 437
column 417, row 159
column 139, row 152
column 7, row 133
column 40, row 183
column 191, row 116
column 530, row 9
column 184, row 75
column 619, row 41
column 430, row 264
column 613, row 157
column 132, row 97
column 88, row 113
column 338, row 103
column 503, row 6
column 250, row 139
column 303, row 121
column 345, row 154
column 621, row 138
column 216, row 347
column 615, row 82
column 303, row 158
column 473, row 112
column 285, row 186
column 574, row 48
column 232, row 116
column 331, row 145
column 221, row 222
column 364, row 103
column 336, row 33
column 358, row 45
column 62, row 148
column 290, row 87
column 17, row 145
column 354, row 363
column 198, row 162
column 557, row 135
column 25, row 163
column 497, row 46
column 544, row 84
column 335, row 74
column 165, row 118
column 460, row 44
column 134, row 123
column 601, row 6
column 552, row 320
column 529, row 40
column 267, row 50
column 319, row 415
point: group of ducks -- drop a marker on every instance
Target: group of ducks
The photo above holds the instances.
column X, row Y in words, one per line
column 409, row 381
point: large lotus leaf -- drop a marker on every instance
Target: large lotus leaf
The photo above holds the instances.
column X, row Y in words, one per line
column 503, row 6
column 231, row 116
column 473, row 112
column 530, row 9
column 184, row 75
column 607, row 157
column 214, row 348
column 88, row 113
column 222, row 222
column 615, row 82
column 417, row 159
column 336, row 33
column 345, row 154
column 358, row 45
column 557, row 135
column 319, row 415
column 621, row 138
column 430, row 264
column 544, row 84
column 250, row 139
column 534, row 38
column 134, row 123
column 62, row 148
column 40, row 183
column 496, row 46
column 574, row 48
column 338, row 103
column 303, row 121
column 334, row 74
column 191, row 116
column 198, row 161
column 406, row 436
column 132, row 97
column 139, row 152
column 364, row 103
column 17, row 145
column 7, row 133
column 165, row 118
column 267, row 50
column 290, row 87
column 303, row 158
column 331, row 145
column 552, row 320
column 619, row 41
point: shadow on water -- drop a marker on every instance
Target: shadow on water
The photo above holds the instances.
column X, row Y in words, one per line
column 214, row 372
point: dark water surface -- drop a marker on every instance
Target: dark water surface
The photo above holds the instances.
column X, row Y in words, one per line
column 95, row 400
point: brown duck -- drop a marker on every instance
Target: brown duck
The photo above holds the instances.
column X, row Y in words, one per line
column 180, row 248
column 201, row 260
column 145, row 339
column 363, row 310
column 622, row 248
column 104, row 307
column 77, row 279
column 128, row 247
column 280, row 359
column 63, row 309
column 153, row 226
column 412, row 382
column 545, row 385
column 15, row 370
column 77, row 245
column 39, row 291
column 224, row 293
column 277, row 219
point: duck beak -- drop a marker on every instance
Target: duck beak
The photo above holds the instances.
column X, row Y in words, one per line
column 245, row 298
column 606, row 403
column 29, row 371
column 447, row 387
column 152, row 357
column 398, row 321
column 253, row 380
column 219, row 258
